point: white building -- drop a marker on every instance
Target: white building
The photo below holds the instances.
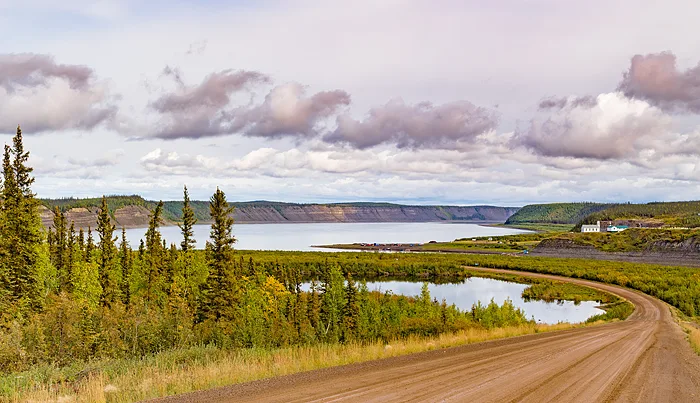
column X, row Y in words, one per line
column 617, row 228
column 591, row 228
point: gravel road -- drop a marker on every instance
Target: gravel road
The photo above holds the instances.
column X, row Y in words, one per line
column 643, row 359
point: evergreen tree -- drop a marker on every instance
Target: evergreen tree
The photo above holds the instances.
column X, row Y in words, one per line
column 57, row 247
column 68, row 263
column 20, row 226
column 89, row 246
column 125, row 263
column 188, row 221
column 81, row 240
column 108, row 254
column 220, row 282
column 351, row 310
column 154, row 256
column 314, row 307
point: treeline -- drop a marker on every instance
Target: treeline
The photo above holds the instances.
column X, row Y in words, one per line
column 681, row 214
column 67, row 296
column 556, row 213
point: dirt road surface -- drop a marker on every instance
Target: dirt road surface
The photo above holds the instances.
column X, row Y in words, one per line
column 643, row 359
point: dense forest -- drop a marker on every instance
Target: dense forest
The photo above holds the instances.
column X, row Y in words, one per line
column 555, row 213
column 677, row 214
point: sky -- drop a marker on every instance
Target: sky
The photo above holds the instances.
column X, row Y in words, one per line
column 507, row 102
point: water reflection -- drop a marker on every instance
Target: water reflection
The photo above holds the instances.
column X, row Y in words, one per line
column 475, row 289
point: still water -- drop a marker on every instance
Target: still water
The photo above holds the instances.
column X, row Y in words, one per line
column 475, row 289
column 300, row 237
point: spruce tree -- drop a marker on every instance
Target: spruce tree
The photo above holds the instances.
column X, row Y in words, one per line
column 125, row 263
column 351, row 310
column 219, row 285
column 57, row 247
column 68, row 262
column 20, row 228
column 89, row 246
column 108, row 254
column 155, row 256
column 188, row 221
column 81, row 240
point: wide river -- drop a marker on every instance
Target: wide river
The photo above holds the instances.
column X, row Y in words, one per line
column 300, row 237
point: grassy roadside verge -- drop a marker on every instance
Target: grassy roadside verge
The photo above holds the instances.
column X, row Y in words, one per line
column 693, row 336
column 690, row 326
column 199, row 368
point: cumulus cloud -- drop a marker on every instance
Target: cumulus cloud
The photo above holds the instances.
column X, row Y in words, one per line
column 288, row 111
column 656, row 79
column 43, row 95
column 175, row 163
column 210, row 108
column 617, row 128
column 421, row 125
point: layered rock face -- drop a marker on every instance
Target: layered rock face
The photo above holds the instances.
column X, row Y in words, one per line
column 137, row 216
column 127, row 217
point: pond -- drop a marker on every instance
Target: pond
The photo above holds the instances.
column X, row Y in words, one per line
column 300, row 237
column 475, row 289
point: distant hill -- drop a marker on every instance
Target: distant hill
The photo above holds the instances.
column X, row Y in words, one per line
column 555, row 213
column 674, row 214
column 133, row 211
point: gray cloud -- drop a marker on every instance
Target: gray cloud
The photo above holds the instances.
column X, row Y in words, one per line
column 286, row 111
column 421, row 125
column 656, row 79
column 45, row 96
column 617, row 128
column 208, row 109
column 588, row 101
column 32, row 70
column 204, row 110
column 209, row 96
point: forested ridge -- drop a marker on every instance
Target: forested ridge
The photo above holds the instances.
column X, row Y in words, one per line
column 555, row 213
column 674, row 214
column 679, row 214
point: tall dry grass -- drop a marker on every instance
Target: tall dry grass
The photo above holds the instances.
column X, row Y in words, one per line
column 200, row 368
column 693, row 336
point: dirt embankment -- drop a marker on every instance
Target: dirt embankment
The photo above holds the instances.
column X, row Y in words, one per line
column 643, row 359
column 667, row 253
